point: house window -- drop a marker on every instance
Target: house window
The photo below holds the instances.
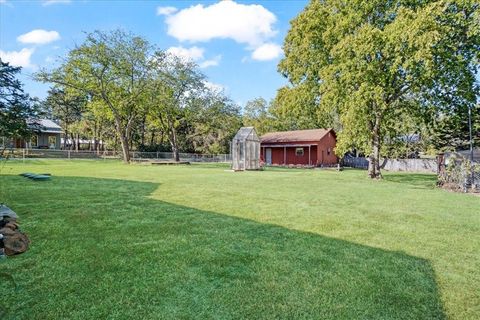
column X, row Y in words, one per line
column 34, row 142
column 299, row 152
column 52, row 142
column 329, row 150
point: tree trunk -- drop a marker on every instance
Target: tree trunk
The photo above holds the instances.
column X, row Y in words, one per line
column 152, row 138
column 174, row 144
column 122, row 134
column 374, row 158
column 65, row 138
column 142, row 135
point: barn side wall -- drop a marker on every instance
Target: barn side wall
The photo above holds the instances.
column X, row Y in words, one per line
column 319, row 152
column 278, row 157
column 326, row 143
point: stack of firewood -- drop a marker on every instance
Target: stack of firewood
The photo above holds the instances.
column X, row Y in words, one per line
column 12, row 240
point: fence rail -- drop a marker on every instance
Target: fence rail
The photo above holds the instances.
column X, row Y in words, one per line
column 104, row 155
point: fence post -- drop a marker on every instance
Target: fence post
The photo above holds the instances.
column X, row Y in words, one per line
column 68, row 151
column 23, row 155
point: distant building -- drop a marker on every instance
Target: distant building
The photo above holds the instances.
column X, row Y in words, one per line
column 302, row 147
column 46, row 134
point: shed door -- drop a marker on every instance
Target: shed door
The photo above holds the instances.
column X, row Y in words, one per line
column 268, row 155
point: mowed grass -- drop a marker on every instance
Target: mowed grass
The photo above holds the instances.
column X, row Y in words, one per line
column 115, row 241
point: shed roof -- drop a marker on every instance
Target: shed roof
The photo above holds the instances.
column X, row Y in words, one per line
column 295, row 136
column 246, row 133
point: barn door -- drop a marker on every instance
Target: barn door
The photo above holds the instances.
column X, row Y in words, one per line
column 268, row 155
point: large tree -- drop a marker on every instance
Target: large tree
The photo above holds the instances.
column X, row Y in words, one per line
column 15, row 105
column 112, row 69
column 256, row 114
column 174, row 89
column 371, row 61
column 215, row 122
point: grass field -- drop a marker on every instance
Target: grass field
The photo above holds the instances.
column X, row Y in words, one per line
column 199, row 242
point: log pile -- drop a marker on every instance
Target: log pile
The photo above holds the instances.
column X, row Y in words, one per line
column 12, row 240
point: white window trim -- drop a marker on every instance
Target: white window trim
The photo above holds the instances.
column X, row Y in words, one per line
column 31, row 144
column 297, row 154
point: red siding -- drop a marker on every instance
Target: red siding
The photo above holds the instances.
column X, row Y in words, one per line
column 278, row 156
column 322, row 152
column 326, row 146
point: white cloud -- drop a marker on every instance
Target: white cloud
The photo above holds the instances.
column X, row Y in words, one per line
column 39, row 36
column 3, row 1
column 166, row 11
column 267, row 51
column 214, row 86
column 18, row 58
column 193, row 53
column 248, row 24
column 50, row 2
column 210, row 63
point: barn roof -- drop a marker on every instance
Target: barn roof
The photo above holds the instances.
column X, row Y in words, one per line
column 294, row 136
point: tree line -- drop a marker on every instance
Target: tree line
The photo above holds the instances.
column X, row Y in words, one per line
column 393, row 78
column 379, row 71
column 124, row 90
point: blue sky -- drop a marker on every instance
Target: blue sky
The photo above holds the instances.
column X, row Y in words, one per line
column 237, row 43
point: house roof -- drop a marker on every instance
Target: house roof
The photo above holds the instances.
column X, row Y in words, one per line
column 295, row 136
column 44, row 125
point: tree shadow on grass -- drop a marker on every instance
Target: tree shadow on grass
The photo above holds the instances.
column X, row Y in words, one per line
column 419, row 180
column 102, row 248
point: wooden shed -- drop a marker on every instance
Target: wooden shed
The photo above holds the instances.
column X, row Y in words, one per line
column 246, row 150
column 302, row 147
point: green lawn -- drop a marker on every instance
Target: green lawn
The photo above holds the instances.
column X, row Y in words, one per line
column 146, row 242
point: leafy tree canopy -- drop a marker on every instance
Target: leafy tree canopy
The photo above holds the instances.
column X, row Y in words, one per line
column 15, row 105
column 371, row 61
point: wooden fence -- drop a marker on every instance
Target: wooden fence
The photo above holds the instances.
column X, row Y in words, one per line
column 407, row 165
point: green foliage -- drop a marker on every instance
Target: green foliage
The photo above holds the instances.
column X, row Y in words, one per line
column 451, row 130
column 214, row 125
column 15, row 105
column 67, row 106
column 257, row 114
column 174, row 94
column 371, row 61
column 118, row 88
column 112, row 69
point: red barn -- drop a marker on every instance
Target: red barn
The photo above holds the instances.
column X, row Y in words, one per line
column 301, row 147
